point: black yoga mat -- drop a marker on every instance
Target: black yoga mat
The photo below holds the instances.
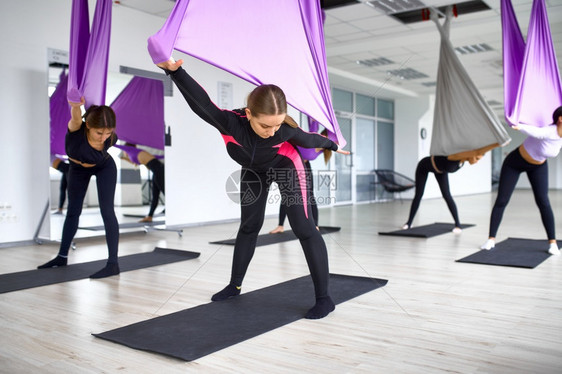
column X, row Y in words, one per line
column 126, row 225
column 426, row 231
column 523, row 253
column 285, row 236
column 141, row 215
column 43, row 277
column 193, row 333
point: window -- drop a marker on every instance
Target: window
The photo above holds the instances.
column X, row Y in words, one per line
column 365, row 105
column 343, row 100
column 385, row 109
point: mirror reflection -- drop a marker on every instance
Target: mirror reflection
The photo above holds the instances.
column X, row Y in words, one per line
column 140, row 198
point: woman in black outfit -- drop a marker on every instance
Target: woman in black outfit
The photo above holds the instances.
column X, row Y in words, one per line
column 262, row 138
column 86, row 145
column 63, row 167
column 441, row 167
column 158, row 181
column 138, row 156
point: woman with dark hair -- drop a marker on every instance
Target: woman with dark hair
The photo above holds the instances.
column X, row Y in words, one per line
column 531, row 157
column 86, row 144
column 441, row 167
column 262, row 138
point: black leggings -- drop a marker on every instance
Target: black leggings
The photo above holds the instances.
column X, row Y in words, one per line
column 63, row 168
column 158, row 186
column 513, row 165
column 423, row 169
column 310, row 185
column 254, row 187
column 78, row 180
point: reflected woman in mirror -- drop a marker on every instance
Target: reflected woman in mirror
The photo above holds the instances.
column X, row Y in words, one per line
column 86, row 144
column 63, row 167
column 137, row 156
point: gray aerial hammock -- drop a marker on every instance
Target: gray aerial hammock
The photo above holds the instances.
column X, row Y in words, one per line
column 464, row 125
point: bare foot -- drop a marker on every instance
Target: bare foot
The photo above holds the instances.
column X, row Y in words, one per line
column 146, row 219
column 277, row 230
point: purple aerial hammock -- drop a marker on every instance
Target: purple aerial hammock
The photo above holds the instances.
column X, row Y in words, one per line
column 59, row 112
column 532, row 86
column 87, row 72
column 89, row 53
column 139, row 109
column 221, row 33
column 312, row 153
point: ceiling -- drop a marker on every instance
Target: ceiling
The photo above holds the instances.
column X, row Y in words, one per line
column 361, row 30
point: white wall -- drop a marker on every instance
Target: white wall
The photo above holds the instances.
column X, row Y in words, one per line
column 411, row 114
column 29, row 28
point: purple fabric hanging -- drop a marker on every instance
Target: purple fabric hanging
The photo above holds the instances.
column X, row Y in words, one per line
column 60, row 115
column 261, row 41
column 87, row 74
column 532, row 87
column 311, row 153
column 139, row 110
column 133, row 153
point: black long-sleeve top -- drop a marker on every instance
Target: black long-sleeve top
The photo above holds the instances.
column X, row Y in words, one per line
column 77, row 147
column 243, row 145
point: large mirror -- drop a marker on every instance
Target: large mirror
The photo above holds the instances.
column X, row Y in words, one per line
column 136, row 185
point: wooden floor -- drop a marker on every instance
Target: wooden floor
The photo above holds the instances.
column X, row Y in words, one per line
column 435, row 315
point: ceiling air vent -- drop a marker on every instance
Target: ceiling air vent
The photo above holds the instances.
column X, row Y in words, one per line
column 381, row 61
column 473, row 48
column 407, row 74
